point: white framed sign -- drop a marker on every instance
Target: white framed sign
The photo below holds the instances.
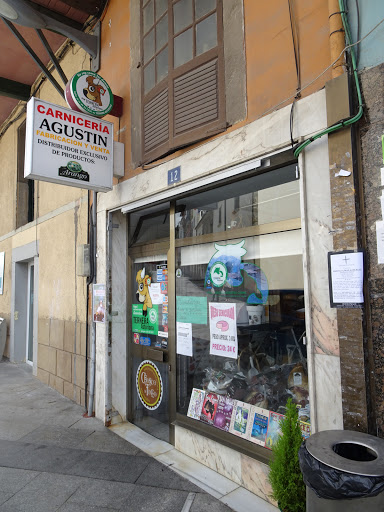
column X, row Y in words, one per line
column 346, row 279
column 67, row 147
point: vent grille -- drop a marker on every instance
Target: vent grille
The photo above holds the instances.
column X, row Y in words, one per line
column 156, row 121
column 196, row 98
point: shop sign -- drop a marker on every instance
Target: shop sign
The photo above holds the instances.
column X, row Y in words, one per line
column 223, row 330
column 145, row 324
column 228, row 272
column 68, row 148
column 149, row 385
column 88, row 92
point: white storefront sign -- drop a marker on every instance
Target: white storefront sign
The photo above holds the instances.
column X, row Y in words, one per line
column 68, row 147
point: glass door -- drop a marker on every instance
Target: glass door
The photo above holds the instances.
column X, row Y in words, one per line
column 29, row 351
column 148, row 335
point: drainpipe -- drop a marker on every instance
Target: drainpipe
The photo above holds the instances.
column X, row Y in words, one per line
column 336, row 37
column 93, row 338
column 108, row 346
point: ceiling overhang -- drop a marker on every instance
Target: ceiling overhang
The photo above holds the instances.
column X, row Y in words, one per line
column 28, row 48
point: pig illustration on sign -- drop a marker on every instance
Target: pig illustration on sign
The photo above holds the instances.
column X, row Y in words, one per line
column 142, row 294
column 227, row 271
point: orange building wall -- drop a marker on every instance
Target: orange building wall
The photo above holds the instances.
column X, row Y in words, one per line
column 270, row 58
column 115, row 66
column 270, row 61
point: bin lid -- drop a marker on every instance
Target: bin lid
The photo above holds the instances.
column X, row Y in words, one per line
column 322, row 447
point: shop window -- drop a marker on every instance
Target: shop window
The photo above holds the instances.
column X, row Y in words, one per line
column 25, row 188
column 240, row 307
column 182, row 73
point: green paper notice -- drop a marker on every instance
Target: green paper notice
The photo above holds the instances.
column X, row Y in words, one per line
column 148, row 324
column 192, row 310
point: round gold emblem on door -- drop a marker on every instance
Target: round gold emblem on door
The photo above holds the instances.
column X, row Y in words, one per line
column 149, row 385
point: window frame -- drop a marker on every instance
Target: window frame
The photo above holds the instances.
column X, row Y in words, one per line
column 203, row 130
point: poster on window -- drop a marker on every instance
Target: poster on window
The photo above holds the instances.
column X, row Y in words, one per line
column 1, row 272
column 99, row 303
column 223, row 331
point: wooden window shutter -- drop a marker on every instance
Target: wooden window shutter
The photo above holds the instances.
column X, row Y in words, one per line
column 189, row 105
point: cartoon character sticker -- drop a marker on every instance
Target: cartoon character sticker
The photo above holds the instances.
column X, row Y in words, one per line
column 94, row 91
column 228, row 275
column 142, row 294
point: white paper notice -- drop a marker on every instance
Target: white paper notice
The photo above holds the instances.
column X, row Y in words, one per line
column 184, row 339
column 155, row 293
column 380, row 241
column 222, row 325
column 347, row 277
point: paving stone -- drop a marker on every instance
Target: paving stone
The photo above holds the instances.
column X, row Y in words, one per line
column 57, row 435
column 40, row 457
column 102, row 494
column 158, row 475
column 4, row 496
column 18, row 429
column 12, row 480
column 107, row 441
column 46, row 493
column 146, row 499
column 76, row 507
column 204, row 502
column 109, row 466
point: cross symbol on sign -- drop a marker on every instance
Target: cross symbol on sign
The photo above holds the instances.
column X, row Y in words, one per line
column 346, row 259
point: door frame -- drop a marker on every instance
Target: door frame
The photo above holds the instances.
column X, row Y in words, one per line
column 21, row 256
column 166, row 247
column 30, row 300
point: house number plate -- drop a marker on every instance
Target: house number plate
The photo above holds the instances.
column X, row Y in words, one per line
column 174, row 175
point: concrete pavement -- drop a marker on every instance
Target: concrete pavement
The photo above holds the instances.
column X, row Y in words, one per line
column 52, row 459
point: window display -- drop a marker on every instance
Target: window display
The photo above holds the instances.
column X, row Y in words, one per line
column 240, row 299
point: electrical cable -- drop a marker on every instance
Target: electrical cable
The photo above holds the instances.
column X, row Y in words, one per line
column 323, row 72
column 296, row 50
column 344, row 122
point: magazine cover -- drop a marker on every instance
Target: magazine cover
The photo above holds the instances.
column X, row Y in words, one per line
column 224, row 413
column 273, row 431
column 259, row 425
column 196, row 403
column 240, row 419
column 209, row 408
column 305, row 429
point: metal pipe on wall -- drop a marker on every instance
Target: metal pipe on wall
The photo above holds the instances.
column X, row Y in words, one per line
column 93, row 338
column 108, row 346
column 336, row 37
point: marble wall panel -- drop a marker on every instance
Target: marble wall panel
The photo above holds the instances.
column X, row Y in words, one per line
column 328, row 403
column 119, row 322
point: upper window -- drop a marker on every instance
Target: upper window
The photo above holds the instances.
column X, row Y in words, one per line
column 182, row 80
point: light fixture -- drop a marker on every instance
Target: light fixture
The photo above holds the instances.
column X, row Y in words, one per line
column 22, row 13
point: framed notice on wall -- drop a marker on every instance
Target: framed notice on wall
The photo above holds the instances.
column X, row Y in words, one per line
column 99, row 301
column 1, row 272
column 346, row 276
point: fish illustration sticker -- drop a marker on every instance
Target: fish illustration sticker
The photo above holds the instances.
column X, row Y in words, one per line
column 228, row 275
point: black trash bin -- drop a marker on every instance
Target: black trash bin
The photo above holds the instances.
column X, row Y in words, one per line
column 343, row 471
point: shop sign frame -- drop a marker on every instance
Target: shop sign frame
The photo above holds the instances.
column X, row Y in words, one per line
column 67, row 147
